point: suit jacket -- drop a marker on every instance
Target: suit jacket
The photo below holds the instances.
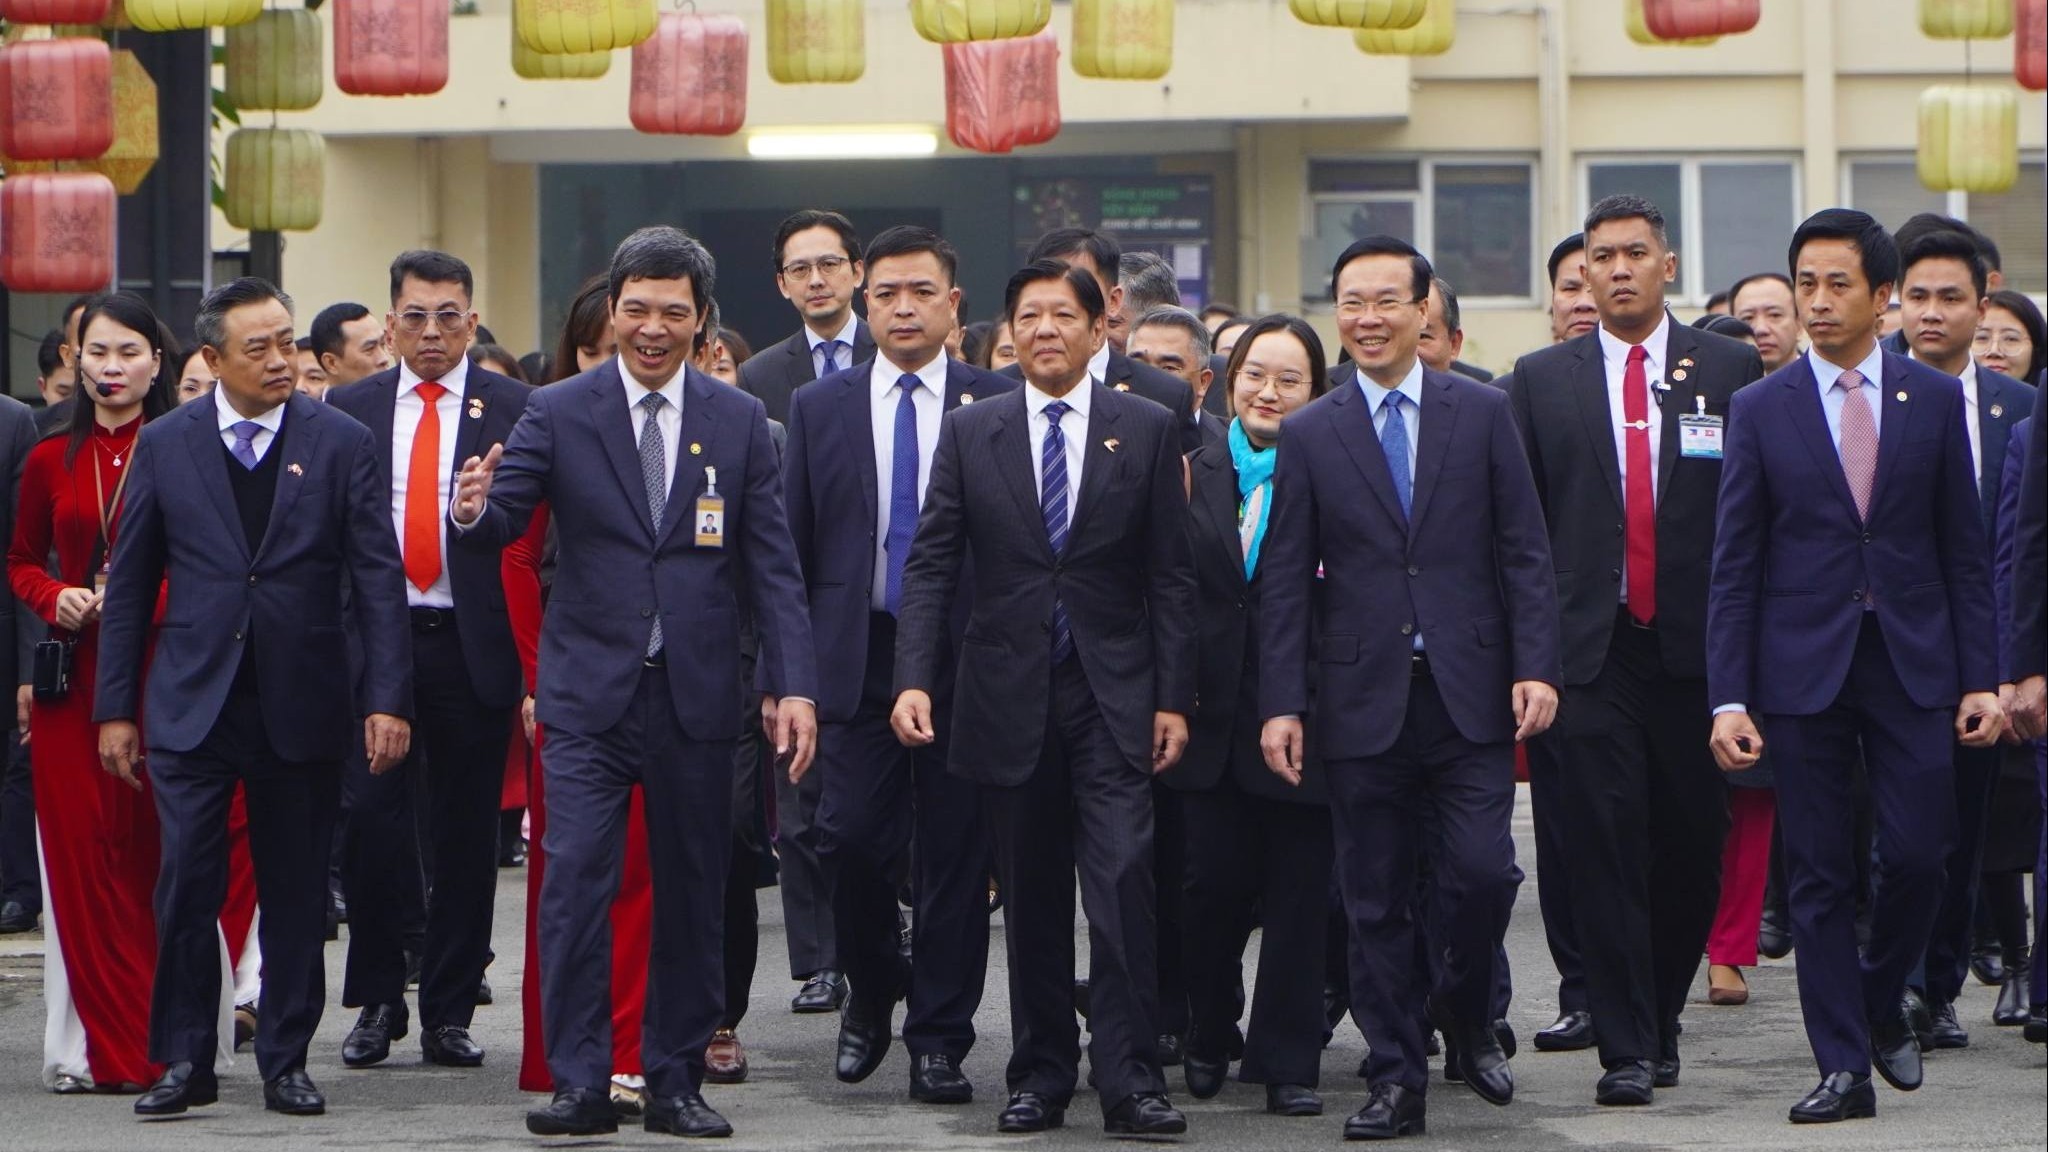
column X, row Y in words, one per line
column 574, row 448
column 1471, row 371
column 330, row 526
column 2027, row 654
column 1470, row 568
column 18, row 630
column 1560, row 401
column 1215, row 431
column 474, row 576
column 2002, row 402
column 53, row 417
column 1793, row 564
column 1126, row 580
column 2004, row 539
column 1170, row 392
column 833, row 495
column 776, row 372
column 1347, row 373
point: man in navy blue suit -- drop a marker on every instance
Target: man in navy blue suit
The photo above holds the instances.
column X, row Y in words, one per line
column 254, row 509
column 1403, row 504
column 667, row 499
column 859, row 457
column 1849, row 618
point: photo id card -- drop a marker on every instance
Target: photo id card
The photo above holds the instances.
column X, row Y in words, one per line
column 1699, row 437
column 709, row 517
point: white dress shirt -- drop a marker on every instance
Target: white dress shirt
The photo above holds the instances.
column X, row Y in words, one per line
column 671, row 420
column 1073, row 426
column 845, row 350
column 928, row 400
column 1969, row 380
column 1614, row 358
column 271, row 422
column 1098, row 364
column 407, row 408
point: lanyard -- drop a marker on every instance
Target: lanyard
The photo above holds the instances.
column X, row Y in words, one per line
column 106, row 507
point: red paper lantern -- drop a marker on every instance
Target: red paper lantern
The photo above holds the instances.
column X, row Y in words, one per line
column 1691, row 19
column 56, row 99
column 57, row 232
column 690, row 77
column 390, row 47
column 54, row 11
column 2030, row 43
column 1001, row 94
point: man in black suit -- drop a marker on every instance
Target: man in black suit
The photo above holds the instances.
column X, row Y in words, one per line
column 1175, row 341
column 252, row 512
column 1076, row 678
column 433, row 410
column 1443, row 338
column 350, row 343
column 56, row 410
column 818, row 268
column 1438, row 651
column 1623, row 432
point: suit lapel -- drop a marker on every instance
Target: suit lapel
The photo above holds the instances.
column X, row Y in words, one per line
column 1589, row 388
column 615, row 432
column 1097, row 458
column 1679, row 400
column 856, row 400
column 863, row 343
column 699, row 426
column 306, row 422
column 1010, row 446
column 1993, row 426
column 1216, row 502
column 383, row 401
column 1117, row 373
column 1802, row 403
column 1355, row 432
column 1890, row 441
column 479, row 396
column 1432, row 441
column 208, row 456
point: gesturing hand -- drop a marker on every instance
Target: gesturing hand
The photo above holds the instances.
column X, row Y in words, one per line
column 473, row 486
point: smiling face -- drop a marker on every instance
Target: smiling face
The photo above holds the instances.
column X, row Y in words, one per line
column 912, row 305
column 1379, row 317
column 1838, row 306
column 1765, row 304
column 120, row 364
column 655, row 322
column 1055, row 335
column 1273, row 381
column 1627, row 267
column 819, row 278
column 254, row 363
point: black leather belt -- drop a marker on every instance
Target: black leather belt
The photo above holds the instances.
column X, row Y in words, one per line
column 432, row 619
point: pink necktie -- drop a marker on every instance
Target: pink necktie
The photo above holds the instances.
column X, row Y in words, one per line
column 1859, row 440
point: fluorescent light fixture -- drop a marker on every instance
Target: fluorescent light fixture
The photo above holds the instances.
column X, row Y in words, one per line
column 858, row 144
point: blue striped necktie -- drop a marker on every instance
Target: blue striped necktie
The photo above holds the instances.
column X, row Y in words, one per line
column 1052, row 503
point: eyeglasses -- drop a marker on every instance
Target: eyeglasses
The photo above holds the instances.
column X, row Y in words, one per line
column 1384, row 306
column 2001, row 341
column 416, row 320
column 801, row 269
column 1257, row 378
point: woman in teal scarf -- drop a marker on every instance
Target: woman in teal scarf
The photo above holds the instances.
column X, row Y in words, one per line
column 1253, row 842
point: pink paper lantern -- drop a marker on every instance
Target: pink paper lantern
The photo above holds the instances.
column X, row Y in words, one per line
column 690, row 77
column 57, row 232
column 390, row 47
column 1692, row 19
column 1003, row 94
column 56, row 99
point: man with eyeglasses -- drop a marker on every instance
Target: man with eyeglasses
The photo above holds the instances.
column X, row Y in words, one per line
column 431, row 410
column 818, row 269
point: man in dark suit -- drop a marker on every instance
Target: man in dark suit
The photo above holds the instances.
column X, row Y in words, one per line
column 1850, row 611
column 640, row 668
column 1075, row 677
column 1623, row 428
column 860, row 450
column 1438, row 651
column 818, row 268
column 2026, row 655
column 1443, row 340
column 433, row 410
column 1175, row 341
column 254, row 510
column 56, row 410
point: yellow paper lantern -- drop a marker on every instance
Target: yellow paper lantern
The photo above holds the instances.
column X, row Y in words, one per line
column 557, row 66
column 1639, row 29
column 1431, row 36
column 959, row 21
column 134, row 151
column 817, row 41
column 274, row 62
column 1388, row 14
column 567, row 27
column 1969, row 138
column 177, row 15
column 276, row 179
column 1123, row 39
column 1966, row 19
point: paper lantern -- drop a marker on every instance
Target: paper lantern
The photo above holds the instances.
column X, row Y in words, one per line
column 557, row 66
column 1699, row 19
column 1389, row 14
column 567, row 27
column 276, row 179
column 1003, row 94
column 177, row 15
column 1634, row 19
column 1966, row 19
column 1431, row 36
column 1969, row 138
column 1125, row 39
column 56, row 99
column 690, row 77
column 56, row 232
column 390, row 47
column 958, row 21
column 273, row 62
column 817, row 41
column 54, row 11
column 128, row 161
column 2030, row 43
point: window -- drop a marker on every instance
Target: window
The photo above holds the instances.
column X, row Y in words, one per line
column 1726, row 218
column 1473, row 219
column 1888, row 187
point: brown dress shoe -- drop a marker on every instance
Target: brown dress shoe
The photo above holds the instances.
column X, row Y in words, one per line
column 1726, row 986
column 725, row 1059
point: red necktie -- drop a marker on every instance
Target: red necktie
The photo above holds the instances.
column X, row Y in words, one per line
column 1639, row 506
column 423, row 493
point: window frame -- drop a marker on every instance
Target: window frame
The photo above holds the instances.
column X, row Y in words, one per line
column 1955, row 202
column 1423, row 197
column 1691, row 290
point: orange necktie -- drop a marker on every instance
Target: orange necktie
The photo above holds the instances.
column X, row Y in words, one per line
column 423, row 493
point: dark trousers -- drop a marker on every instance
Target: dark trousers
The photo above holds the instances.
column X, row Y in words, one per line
column 291, row 822
column 806, row 887
column 1253, row 859
column 1644, row 812
column 1169, row 865
column 452, row 778
column 1085, row 807
column 1378, row 804
column 2039, row 973
column 878, row 799
column 687, row 785
column 1947, row 961
column 1430, row 926
column 21, row 874
column 750, row 862
column 1907, row 754
column 1553, row 878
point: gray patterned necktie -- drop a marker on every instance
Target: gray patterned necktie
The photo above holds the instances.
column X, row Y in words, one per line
column 654, row 470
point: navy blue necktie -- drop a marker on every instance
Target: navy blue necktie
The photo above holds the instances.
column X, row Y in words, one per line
column 1394, row 442
column 831, row 358
column 1052, row 503
column 902, row 493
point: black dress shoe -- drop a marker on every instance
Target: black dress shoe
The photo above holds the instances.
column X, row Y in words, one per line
column 484, row 995
column 1841, row 1096
column 1477, row 1055
column 1627, row 1083
column 369, row 1042
column 15, row 917
column 1573, row 1032
column 1945, row 1031
column 575, row 1112
column 823, row 991
column 1293, row 1100
column 936, row 1079
column 1030, row 1112
column 684, row 1116
column 450, row 1045
column 183, row 1085
column 1918, row 1016
column 1171, row 1050
column 1987, row 963
column 293, row 1094
column 1391, row 1111
column 863, row 1040
column 1773, row 937
column 2011, row 1009
column 1204, row 1076
column 1664, row 1073
column 2036, row 1029
column 1144, row 1114
column 1895, row 1050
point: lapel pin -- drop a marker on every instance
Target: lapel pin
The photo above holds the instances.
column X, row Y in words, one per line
column 1111, row 443
column 1685, row 362
column 967, row 397
column 1998, row 411
column 1680, row 373
column 1902, row 396
column 295, row 470
column 696, row 449
column 1123, row 387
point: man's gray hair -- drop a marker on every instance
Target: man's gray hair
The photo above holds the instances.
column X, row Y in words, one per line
column 1174, row 316
column 210, row 325
column 1148, row 282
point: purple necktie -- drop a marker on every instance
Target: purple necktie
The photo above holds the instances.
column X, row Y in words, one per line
column 1859, row 440
column 245, row 443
